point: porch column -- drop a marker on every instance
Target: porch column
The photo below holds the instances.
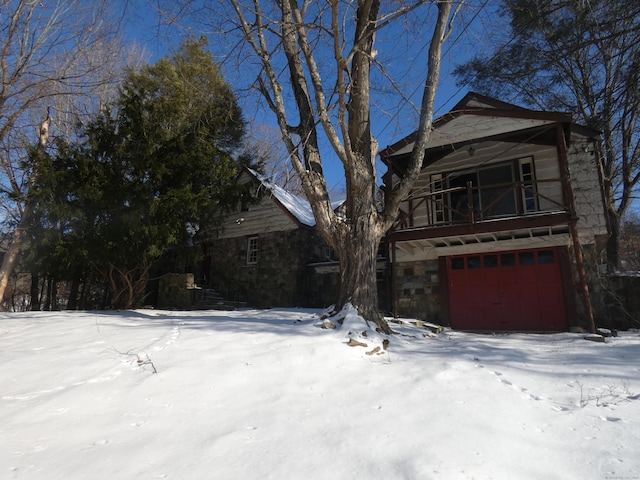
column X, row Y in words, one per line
column 573, row 220
column 394, row 281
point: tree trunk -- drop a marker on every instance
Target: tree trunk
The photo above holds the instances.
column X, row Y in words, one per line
column 72, row 303
column 20, row 235
column 35, row 292
column 613, row 243
column 356, row 237
column 358, row 280
column 47, row 302
column 13, row 252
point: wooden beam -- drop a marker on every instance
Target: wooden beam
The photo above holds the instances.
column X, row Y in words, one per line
column 494, row 226
column 577, row 247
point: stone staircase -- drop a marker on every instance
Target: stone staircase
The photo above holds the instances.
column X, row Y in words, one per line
column 208, row 299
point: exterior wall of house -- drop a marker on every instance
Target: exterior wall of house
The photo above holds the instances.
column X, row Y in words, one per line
column 262, row 217
column 280, row 276
column 420, row 270
column 545, row 160
column 418, row 290
column 592, row 222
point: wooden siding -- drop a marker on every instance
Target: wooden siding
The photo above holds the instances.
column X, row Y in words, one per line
column 264, row 217
column 585, row 180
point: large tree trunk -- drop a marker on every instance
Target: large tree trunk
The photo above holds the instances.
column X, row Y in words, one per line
column 358, row 281
column 344, row 116
column 613, row 243
column 13, row 253
column 20, row 235
column 72, row 303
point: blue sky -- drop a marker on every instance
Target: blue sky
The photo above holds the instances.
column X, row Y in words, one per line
column 403, row 50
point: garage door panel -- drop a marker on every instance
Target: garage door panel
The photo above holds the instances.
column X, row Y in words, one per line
column 519, row 290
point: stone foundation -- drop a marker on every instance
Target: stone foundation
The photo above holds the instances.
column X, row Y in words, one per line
column 418, row 290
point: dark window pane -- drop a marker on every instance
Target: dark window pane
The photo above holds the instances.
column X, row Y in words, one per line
column 459, row 199
column 526, row 258
column 496, row 193
column 473, row 262
column 490, row 261
column 546, row 257
column 457, row 264
column 508, row 259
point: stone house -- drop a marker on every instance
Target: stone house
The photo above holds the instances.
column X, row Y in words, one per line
column 506, row 214
column 268, row 252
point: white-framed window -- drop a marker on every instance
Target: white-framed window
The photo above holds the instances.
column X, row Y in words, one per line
column 493, row 191
column 437, row 184
column 527, row 176
column 252, row 250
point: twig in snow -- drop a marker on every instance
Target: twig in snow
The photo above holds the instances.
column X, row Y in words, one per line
column 140, row 361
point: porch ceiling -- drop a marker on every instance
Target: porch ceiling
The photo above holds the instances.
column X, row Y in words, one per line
column 491, row 241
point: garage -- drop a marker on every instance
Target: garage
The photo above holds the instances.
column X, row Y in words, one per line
column 512, row 290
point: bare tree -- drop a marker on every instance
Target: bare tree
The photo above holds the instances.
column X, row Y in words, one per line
column 65, row 54
column 580, row 57
column 262, row 145
column 316, row 61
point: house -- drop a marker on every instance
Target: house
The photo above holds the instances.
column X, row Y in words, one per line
column 505, row 217
column 268, row 252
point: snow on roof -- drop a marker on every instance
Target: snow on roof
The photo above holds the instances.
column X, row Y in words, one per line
column 299, row 207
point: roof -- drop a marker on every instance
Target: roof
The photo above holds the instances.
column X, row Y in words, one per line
column 298, row 208
column 477, row 117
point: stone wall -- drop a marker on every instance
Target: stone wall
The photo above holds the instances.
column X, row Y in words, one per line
column 419, row 290
column 280, row 277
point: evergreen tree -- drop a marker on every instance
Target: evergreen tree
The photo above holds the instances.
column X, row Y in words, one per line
column 152, row 169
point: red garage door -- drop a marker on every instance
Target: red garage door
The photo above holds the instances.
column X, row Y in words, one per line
column 519, row 290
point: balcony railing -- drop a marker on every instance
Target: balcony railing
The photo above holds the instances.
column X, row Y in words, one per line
column 472, row 204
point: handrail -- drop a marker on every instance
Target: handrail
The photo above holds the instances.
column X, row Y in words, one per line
column 439, row 201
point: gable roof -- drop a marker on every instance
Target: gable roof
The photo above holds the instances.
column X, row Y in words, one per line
column 299, row 209
column 474, row 118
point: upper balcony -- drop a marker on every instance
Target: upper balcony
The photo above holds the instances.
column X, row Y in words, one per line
column 466, row 207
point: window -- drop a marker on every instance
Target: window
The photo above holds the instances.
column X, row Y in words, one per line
column 496, row 194
column 495, row 191
column 438, row 208
column 459, row 201
column 508, row 259
column 473, row 262
column 490, row 261
column 457, row 263
column 526, row 258
column 545, row 257
column 252, row 251
column 529, row 199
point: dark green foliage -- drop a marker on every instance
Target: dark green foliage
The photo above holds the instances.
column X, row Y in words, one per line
column 151, row 170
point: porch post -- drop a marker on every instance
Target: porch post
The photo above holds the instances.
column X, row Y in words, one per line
column 470, row 212
column 571, row 204
column 394, row 281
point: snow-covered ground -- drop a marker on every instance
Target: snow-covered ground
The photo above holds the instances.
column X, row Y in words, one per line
column 271, row 395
